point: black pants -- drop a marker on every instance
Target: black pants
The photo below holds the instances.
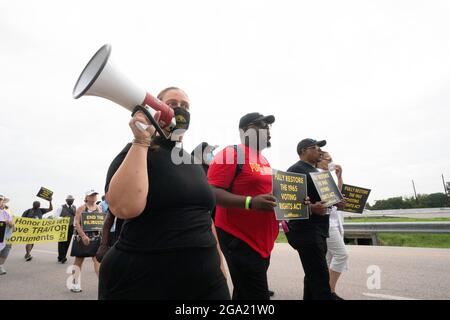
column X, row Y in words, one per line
column 312, row 249
column 64, row 246
column 185, row 274
column 247, row 268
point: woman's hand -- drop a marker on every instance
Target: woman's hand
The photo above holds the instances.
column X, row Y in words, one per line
column 147, row 133
column 85, row 240
column 338, row 171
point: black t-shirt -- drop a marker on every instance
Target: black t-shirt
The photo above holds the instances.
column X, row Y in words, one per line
column 178, row 210
column 34, row 213
column 315, row 222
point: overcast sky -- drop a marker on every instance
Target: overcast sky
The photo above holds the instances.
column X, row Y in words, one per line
column 370, row 77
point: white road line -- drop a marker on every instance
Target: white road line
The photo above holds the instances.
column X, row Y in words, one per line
column 386, row 296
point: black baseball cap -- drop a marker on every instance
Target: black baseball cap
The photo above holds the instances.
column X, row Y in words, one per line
column 253, row 117
column 306, row 143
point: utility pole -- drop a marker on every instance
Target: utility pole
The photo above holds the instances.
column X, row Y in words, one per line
column 445, row 191
column 414, row 187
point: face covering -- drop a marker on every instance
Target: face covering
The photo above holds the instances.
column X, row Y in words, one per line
column 209, row 158
column 331, row 166
column 182, row 119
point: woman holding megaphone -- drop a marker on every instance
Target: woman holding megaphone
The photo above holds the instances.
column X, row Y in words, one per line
column 168, row 245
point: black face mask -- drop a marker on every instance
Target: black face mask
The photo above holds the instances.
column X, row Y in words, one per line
column 69, row 202
column 182, row 119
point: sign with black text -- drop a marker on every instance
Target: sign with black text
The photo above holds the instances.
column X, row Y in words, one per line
column 356, row 198
column 290, row 190
column 326, row 187
column 92, row 221
column 2, row 230
column 45, row 194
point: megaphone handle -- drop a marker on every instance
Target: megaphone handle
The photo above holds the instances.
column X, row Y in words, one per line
column 152, row 120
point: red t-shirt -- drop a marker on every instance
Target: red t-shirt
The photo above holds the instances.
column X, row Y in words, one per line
column 258, row 229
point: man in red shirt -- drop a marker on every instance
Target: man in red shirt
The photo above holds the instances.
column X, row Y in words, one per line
column 245, row 219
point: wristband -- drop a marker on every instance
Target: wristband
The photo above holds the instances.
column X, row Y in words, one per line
column 248, row 202
column 141, row 142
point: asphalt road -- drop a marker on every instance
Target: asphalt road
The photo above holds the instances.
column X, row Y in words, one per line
column 405, row 273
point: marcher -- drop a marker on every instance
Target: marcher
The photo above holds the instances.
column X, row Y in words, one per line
column 67, row 210
column 337, row 256
column 245, row 218
column 309, row 236
column 4, row 247
column 167, row 248
column 111, row 232
column 203, row 154
column 86, row 238
column 36, row 212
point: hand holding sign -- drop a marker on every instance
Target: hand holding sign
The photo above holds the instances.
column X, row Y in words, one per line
column 264, row 202
column 319, row 208
column 290, row 192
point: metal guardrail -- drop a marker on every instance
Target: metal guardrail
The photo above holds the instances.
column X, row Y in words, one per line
column 397, row 227
column 369, row 230
column 358, row 231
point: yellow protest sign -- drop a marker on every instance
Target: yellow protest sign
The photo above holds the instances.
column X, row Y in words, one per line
column 30, row 230
column 45, row 194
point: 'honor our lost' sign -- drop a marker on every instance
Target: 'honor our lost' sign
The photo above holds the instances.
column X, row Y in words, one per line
column 290, row 191
column 92, row 221
column 355, row 198
column 326, row 187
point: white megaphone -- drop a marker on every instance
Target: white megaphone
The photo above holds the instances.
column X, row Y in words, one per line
column 99, row 78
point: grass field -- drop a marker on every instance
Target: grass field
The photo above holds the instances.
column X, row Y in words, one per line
column 424, row 240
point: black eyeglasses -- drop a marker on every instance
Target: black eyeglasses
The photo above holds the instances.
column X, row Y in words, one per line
column 314, row 147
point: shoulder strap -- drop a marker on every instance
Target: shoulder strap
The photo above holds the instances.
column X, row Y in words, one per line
column 239, row 165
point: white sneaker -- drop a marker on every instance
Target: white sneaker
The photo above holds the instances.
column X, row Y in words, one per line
column 2, row 270
column 76, row 288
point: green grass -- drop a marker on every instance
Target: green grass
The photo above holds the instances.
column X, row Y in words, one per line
column 281, row 238
column 424, row 240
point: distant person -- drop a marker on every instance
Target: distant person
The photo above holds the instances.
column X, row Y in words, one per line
column 67, row 210
column 111, row 232
column 8, row 219
column 337, row 256
column 104, row 204
column 87, row 237
column 36, row 212
column 203, row 154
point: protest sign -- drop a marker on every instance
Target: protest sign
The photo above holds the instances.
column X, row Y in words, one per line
column 356, row 198
column 290, row 190
column 30, row 230
column 45, row 194
column 2, row 230
column 326, row 187
column 92, row 221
